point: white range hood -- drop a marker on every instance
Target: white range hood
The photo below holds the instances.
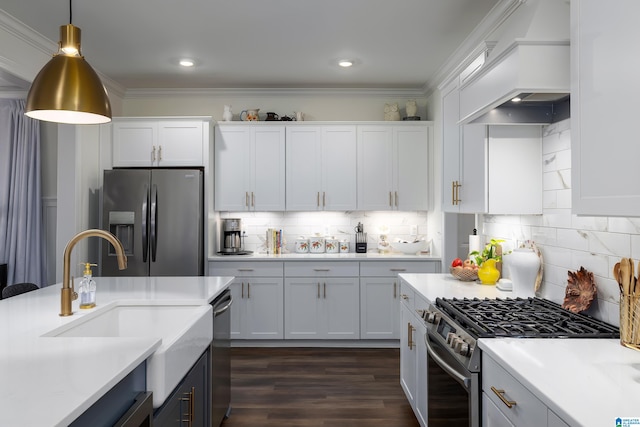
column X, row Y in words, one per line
column 533, row 66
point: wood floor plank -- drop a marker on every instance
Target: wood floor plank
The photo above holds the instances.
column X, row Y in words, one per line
column 317, row 387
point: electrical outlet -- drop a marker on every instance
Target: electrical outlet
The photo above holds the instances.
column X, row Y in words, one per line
column 414, row 230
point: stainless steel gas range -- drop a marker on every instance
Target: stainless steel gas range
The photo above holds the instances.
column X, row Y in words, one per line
column 454, row 359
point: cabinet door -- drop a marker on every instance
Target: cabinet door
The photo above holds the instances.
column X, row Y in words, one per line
column 515, row 170
column 268, row 169
column 412, row 172
column 302, row 308
column 181, row 143
column 451, row 153
column 408, row 354
column 338, row 182
column 232, row 154
column 379, row 308
column 303, row 169
column 491, row 415
column 135, row 143
column 473, row 192
column 421, row 405
column 189, row 402
column 604, row 90
column 375, row 168
column 341, row 308
column 264, row 313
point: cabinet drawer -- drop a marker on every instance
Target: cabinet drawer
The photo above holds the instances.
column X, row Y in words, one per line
column 392, row 269
column 321, row 269
column 527, row 410
column 246, row 268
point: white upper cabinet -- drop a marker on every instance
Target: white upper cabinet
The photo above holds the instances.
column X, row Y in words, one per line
column 604, row 90
column 393, row 167
column 249, row 168
column 157, row 143
column 489, row 169
column 320, row 168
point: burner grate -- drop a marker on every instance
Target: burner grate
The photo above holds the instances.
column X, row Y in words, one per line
column 524, row 318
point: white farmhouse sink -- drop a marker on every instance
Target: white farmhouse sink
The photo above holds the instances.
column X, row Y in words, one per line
column 185, row 330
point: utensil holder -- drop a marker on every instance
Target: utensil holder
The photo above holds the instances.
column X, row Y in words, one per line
column 630, row 321
column 361, row 242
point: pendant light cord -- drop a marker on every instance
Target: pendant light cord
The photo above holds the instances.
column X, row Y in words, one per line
column 70, row 13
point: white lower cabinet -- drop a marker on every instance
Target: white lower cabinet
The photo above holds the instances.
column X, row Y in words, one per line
column 380, row 296
column 321, row 300
column 413, row 354
column 507, row 402
column 257, row 292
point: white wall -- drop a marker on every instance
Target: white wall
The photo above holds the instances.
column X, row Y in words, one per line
column 568, row 241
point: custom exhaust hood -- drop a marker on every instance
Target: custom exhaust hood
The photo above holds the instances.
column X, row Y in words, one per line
column 528, row 80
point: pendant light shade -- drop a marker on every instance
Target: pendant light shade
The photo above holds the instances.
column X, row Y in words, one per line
column 67, row 89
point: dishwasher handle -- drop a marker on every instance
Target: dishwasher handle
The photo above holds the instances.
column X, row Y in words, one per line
column 218, row 311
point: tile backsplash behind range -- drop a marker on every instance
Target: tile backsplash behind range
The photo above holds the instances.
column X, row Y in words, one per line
column 567, row 241
column 339, row 224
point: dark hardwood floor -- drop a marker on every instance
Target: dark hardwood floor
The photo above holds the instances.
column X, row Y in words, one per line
column 317, row 387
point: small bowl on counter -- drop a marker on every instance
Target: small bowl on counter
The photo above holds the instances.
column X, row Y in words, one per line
column 464, row 274
column 409, row 248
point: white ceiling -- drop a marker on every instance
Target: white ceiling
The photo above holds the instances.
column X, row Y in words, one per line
column 397, row 44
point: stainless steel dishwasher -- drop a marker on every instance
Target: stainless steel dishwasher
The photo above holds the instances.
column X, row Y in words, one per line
column 221, row 358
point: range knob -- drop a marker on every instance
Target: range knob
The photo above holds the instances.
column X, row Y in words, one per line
column 450, row 337
column 432, row 317
column 462, row 347
column 456, row 342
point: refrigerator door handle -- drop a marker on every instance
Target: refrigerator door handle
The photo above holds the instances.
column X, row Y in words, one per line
column 145, row 228
column 154, row 222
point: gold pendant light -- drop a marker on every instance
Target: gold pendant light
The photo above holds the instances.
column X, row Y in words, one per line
column 67, row 89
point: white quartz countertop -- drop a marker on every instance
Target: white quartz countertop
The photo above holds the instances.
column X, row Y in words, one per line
column 349, row 256
column 50, row 381
column 587, row 382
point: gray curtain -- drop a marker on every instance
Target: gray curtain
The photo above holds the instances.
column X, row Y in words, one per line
column 21, row 226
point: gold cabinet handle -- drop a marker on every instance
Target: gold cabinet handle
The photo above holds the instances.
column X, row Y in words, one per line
column 246, row 198
column 248, row 290
column 190, row 398
column 500, row 394
column 325, row 290
column 410, row 330
column 397, row 269
column 153, row 153
column 245, row 269
column 404, row 296
column 242, row 291
column 159, row 153
column 396, row 198
column 318, row 290
column 253, row 200
column 318, row 199
column 390, row 199
column 324, row 199
column 453, row 193
column 395, row 290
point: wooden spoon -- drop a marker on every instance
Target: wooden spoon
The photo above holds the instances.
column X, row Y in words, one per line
column 624, row 274
column 632, row 277
column 616, row 274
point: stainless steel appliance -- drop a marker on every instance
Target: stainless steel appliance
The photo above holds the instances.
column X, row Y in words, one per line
column 231, row 239
column 158, row 215
column 221, row 358
column 454, row 361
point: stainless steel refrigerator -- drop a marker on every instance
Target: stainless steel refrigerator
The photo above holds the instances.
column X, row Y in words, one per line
column 158, row 215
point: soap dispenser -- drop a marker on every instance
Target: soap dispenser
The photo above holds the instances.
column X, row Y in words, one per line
column 87, row 289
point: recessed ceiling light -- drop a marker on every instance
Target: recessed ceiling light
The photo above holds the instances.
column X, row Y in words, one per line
column 516, row 99
column 187, row 62
column 345, row 63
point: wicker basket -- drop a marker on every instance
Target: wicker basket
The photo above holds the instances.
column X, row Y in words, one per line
column 464, row 274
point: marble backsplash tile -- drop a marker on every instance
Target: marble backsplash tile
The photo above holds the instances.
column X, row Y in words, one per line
column 567, row 241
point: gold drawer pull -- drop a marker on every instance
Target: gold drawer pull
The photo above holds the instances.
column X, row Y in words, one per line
column 500, row 394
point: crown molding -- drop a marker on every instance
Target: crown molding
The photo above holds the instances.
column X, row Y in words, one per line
column 473, row 44
column 270, row 92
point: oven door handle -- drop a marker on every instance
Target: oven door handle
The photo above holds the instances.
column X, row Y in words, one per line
column 431, row 351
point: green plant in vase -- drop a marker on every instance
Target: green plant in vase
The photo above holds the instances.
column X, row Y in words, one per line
column 489, row 261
